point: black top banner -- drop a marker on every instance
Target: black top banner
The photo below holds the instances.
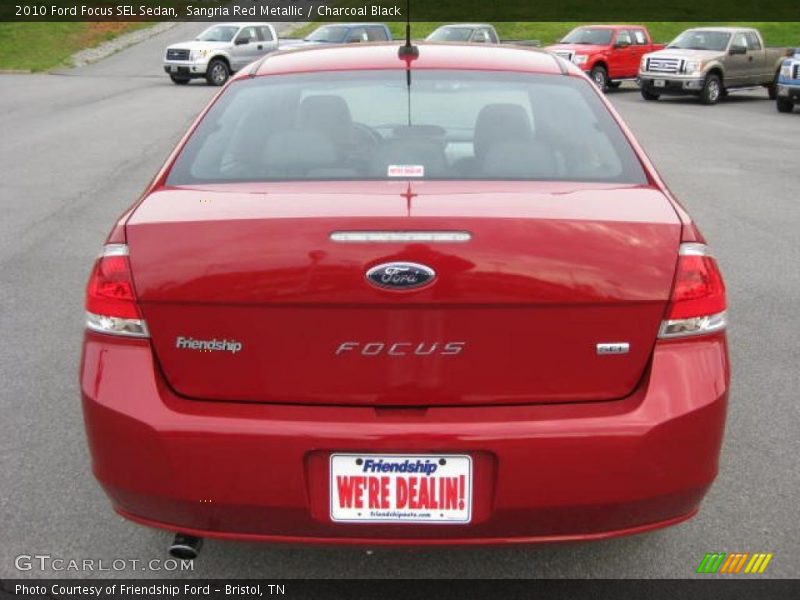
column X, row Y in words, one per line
column 718, row 11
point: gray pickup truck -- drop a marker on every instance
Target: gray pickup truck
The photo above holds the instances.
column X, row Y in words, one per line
column 474, row 33
column 340, row 33
column 471, row 33
column 708, row 62
column 219, row 51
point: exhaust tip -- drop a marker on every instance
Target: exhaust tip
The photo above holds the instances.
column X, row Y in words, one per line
column 185, row 547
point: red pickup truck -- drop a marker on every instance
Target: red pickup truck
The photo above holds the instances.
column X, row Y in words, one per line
column 607, row 53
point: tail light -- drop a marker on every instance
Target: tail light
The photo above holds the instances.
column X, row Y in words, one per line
column 698, row 304
column 110, row 297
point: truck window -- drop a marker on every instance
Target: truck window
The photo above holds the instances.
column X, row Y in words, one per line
column 218, row 33
column 248, row 33
column 357, row 34
column 753, row 43
column 332, row 34
column 697, row 39
column 481, row 36
column 451, row 34
column 265, row 35
column 493, row 36
column 739, row 40
column 376, row 34
column 624, row 37
column 588, row 35
column 640, row 37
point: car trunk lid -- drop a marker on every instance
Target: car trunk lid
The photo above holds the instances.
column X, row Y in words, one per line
column 248, row 298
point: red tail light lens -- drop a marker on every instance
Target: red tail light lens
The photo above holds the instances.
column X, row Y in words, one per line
column 110, row 290
column 698, row 288
column 110, row 297
column 698, row 303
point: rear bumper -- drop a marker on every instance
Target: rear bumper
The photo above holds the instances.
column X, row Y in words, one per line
column 541, row 473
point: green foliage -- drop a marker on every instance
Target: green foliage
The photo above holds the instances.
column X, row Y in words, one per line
column 40, row 45
column 548, row 32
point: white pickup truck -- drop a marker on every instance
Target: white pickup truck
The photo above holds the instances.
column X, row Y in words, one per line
column 219, row 51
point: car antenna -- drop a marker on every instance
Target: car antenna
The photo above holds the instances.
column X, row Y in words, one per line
column 408, row 50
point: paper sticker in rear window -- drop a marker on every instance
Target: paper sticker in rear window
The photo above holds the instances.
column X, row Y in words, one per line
column 405, row 171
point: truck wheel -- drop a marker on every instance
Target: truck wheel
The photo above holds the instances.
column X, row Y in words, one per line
column 784, row 105
column 179, row 80
column 772, row 88
column 648, row 95
column 712, row 90
column 600, row 77
column 217, row 72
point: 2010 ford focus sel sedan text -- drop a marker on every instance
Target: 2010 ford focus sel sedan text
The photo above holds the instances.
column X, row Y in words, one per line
column 430, row 297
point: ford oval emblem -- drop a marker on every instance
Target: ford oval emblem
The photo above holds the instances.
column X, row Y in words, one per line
column 400, row 275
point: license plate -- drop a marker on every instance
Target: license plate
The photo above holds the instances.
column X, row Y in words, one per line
column 173, row 69
column 660, row 82
column 401, row 488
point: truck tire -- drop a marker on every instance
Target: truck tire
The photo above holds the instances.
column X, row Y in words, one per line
column 648, row 95
column 179, row 80
column 712, row 90
column 783, row 105
column 217, row 72
column 600, row 77
column 772, row 88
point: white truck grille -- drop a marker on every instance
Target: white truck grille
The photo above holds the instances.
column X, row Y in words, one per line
column 796, row 71
column 177, row 54
column 664, row 65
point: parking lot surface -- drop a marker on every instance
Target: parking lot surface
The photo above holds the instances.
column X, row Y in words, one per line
column 78, row 147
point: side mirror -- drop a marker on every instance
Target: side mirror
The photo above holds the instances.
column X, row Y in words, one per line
column 242, row 41
column 622, row 44
column 354, row 40
column 736, row 49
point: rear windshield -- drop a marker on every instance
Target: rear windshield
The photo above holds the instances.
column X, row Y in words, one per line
column 584, row 35
column 484, row 125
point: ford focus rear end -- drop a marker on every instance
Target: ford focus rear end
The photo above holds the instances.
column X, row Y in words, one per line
column 379, row 299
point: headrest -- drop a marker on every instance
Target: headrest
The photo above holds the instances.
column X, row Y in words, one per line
column 500, row 123
column 325, row 112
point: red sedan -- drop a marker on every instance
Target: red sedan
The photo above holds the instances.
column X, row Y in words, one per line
column 430, row 297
